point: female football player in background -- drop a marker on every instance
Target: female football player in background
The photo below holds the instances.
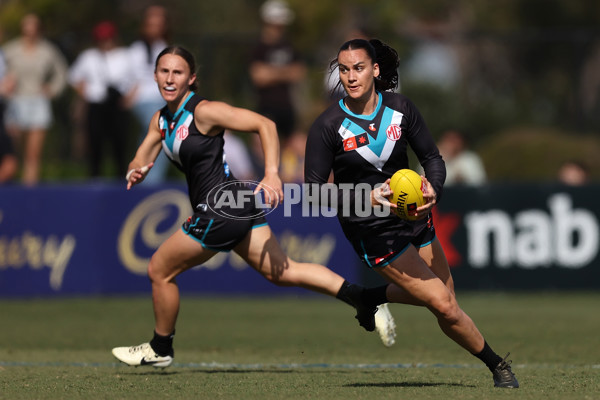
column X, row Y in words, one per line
column 363, row 138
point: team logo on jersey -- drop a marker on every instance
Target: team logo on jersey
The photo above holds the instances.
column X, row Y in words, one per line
column 354, row 142
column 372, row 127
column 163, row 133
column 393, row 132
column 182, row 132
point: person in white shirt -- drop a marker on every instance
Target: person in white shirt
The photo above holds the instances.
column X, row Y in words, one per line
column 144, row 97
column 100, row 76
column 463, row 166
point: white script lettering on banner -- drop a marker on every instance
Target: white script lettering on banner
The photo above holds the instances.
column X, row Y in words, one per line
column 29, row 250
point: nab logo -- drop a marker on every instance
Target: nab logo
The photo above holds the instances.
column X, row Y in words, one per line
column 182, row 132
column 393, row 132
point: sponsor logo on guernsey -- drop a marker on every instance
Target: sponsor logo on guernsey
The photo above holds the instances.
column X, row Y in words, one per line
column 182, row 132
column 354, row 142
column 393, row 132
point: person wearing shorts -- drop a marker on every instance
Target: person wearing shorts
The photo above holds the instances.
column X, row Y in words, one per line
column 189, row 129
column 363, row 139
column 37, row 73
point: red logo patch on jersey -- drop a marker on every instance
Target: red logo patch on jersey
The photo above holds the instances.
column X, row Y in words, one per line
column 393, row 132
column 372, row 127
column 354, row 142
column 349, row 144
column 163, row 133
column 182, row 132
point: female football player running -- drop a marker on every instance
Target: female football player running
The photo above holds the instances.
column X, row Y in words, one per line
column 363, row 139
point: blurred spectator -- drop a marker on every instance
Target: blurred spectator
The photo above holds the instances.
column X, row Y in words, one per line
column 589, row 89
column 433, row 59
column 100, row 76
column 145, row 98
column 8, row 159
column 574, row 173
column 36, row 74
column 275, row 67
column 463, row 166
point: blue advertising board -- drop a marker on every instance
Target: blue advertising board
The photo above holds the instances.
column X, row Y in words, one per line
column 98, row 239
column 93, row 239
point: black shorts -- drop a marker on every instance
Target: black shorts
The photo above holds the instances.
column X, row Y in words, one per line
column 378, row 250
column 217, row 233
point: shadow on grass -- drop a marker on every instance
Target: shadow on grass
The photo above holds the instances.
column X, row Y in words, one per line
column 406, row 384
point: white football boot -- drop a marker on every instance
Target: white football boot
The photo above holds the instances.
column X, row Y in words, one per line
column 141, row 355
column 385, row 325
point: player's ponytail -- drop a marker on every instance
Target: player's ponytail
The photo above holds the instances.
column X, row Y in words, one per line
column 388, row 61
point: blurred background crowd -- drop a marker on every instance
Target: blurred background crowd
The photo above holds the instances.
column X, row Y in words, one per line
column 510, row 90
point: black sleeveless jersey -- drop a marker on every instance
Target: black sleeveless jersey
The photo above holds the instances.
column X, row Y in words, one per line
column 369, row 149
column 200, row 157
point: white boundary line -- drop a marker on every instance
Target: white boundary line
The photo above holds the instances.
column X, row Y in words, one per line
column 266, row 367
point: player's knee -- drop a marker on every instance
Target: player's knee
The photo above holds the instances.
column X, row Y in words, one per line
column 447, row 309
column 155, row 272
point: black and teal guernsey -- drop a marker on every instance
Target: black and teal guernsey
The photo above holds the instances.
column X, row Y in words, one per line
column 369, row 149
column 200, row 157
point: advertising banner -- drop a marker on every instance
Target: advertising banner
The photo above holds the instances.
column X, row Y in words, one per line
column 93, row 239
column 540, row 236
column 98, row 239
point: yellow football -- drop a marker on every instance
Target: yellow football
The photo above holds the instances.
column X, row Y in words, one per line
column 407, row 188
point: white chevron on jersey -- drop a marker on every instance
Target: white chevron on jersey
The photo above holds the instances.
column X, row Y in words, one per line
column 173, row 153
column 390, row 117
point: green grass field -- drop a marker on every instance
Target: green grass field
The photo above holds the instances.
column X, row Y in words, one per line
column 290, row 348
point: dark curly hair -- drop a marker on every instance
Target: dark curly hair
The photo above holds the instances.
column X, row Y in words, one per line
column 380, row 53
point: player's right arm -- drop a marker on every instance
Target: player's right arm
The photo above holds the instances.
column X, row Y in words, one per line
column 145, row 155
